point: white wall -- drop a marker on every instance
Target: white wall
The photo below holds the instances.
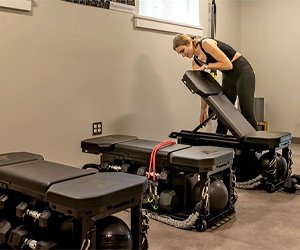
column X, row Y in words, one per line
column 271, row 41
column 65, row 65
column 229, row 22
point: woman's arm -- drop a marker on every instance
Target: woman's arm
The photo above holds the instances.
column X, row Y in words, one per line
column 203, row 104
column 203, row 110
column 210, row 47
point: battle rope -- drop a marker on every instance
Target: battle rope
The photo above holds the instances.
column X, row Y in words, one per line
column 257, row 181
column 251, row 184
column 185, row 224
column 290, row 162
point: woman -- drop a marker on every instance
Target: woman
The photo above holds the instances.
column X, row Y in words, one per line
column 238, row 78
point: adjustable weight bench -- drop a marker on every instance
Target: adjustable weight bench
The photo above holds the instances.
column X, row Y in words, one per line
column 47, row 205
column 245, row 140
column 184, row 175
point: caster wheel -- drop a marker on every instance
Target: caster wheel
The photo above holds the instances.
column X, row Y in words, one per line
column 270, row 188
column 201, row 225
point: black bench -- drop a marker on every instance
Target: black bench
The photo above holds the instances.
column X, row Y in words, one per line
column 179, row 168
column 244, row 137
column 76, row 199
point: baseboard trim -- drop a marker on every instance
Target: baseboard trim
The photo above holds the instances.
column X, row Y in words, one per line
column 296, row 140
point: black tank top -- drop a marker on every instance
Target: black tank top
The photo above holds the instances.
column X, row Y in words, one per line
column 228, row 51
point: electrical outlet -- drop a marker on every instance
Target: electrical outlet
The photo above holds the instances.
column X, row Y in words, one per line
column 97, row 128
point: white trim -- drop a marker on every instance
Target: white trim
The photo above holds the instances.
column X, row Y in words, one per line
column 167, row 26
column 121, row 7
column 17, row 4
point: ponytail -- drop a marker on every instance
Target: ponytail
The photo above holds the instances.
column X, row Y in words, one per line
column 184, row 39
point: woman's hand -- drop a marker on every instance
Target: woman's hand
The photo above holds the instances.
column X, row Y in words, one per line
column 197, row 67
column 203, row 115
column 202, row 68
column 203, row 110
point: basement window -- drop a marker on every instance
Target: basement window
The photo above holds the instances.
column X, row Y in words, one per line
column 175, row 16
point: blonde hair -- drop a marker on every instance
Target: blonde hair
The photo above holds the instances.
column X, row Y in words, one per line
column 184, row 40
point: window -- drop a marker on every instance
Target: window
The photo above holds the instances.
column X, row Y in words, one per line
column 180, row 11
column 169, row 15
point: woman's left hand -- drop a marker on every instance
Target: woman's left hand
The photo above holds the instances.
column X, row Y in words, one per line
column 202, row 68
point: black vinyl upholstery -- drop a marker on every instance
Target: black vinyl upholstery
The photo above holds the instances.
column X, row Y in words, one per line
column 230, row 116
column 69, row 190
column 203, row 84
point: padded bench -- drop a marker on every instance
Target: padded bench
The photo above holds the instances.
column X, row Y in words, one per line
column 179, row 167
column 72, row 192
column 245, row 140
column 204, row 84
column 193, row 159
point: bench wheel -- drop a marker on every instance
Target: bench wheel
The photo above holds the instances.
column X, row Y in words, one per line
column 200, row 225
column 270, row 188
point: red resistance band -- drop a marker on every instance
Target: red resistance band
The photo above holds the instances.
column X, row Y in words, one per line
column 152, row 164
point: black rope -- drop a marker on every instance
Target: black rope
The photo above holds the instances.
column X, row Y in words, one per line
column 213, row 19
column 213, row 25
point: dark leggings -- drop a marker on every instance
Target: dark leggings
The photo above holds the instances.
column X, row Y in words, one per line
column 240, row 81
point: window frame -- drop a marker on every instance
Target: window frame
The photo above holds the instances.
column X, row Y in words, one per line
column 155, row 24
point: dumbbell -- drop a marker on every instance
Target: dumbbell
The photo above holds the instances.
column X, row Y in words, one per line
column 43, row 218
column 165, row 175
column 39, row 245
column 297, row 177
column 126, row 168
column 22, row 210
column 142, row 170
column 291, row 184
column 92, row 166
column 3, row 200
column 19, row 237
column 5, row 227
column 168, row 200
